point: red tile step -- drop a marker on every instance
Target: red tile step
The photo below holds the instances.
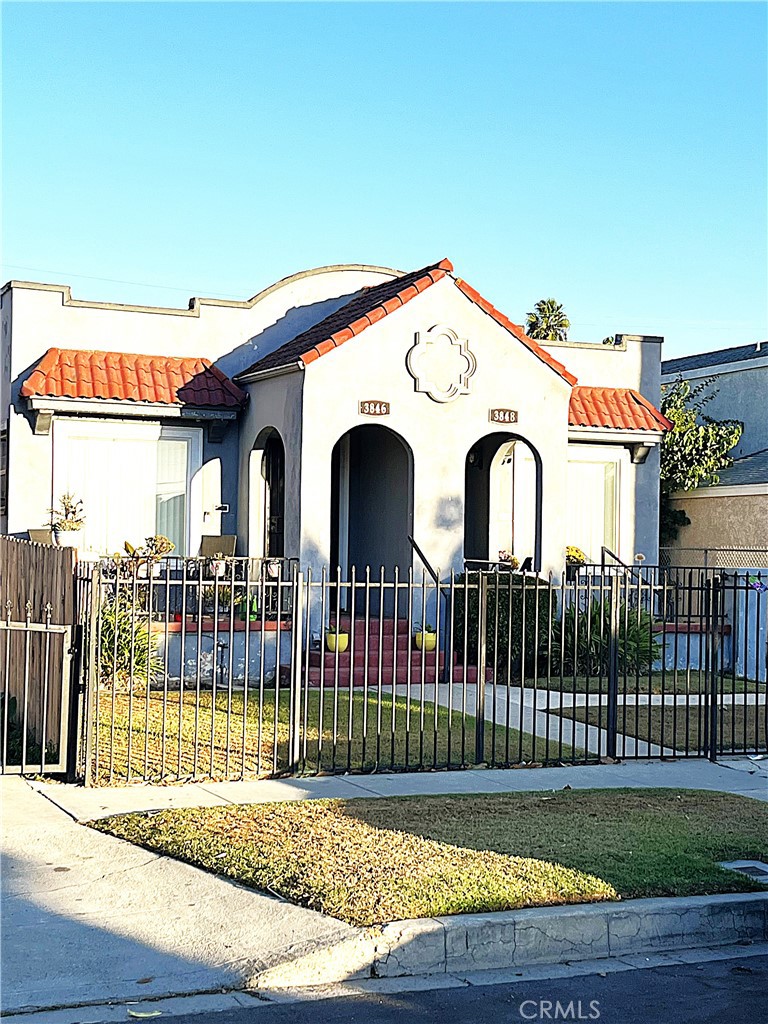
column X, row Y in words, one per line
column 389, row 674
column 387, row 641
column 385, row 627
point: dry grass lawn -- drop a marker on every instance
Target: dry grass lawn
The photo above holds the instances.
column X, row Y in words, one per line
column 175, row 738
column 740, row 729
column 369, row 861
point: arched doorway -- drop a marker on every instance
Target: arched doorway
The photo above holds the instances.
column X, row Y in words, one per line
column 266, row 526
column 502, row 500
column 371, row 501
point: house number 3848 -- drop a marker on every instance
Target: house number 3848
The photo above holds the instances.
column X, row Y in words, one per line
column 374, row 408
column 502, row 415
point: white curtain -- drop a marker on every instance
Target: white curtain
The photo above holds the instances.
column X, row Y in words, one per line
column 171, row 493
column 592, row 506
column 112, row 468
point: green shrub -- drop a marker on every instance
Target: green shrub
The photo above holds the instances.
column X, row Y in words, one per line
column 584, row 647
column 511, row 601
column 128, row 647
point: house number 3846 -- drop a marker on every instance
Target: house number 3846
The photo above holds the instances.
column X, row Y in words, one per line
column 374, row 408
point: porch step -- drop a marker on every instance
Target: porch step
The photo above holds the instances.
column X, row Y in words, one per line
column 389, row 675
column 385, row 627
column 387, row 657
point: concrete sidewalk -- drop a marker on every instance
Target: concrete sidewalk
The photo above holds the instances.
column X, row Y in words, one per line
column 739, row 775
column 88, row 919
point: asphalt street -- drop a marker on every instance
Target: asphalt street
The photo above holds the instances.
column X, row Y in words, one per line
column 718, row 992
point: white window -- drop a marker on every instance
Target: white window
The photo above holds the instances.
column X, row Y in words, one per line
column 172, row 488
column 594, row 499
column 134, row 480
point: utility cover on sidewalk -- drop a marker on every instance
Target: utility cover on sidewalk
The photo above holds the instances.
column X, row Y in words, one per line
column 754, row 868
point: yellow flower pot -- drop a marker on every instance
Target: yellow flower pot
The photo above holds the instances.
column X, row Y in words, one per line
column 426, row 641
column 337, row 641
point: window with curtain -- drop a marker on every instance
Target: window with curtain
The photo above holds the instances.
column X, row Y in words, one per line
column 134, row 480
column 593, row 512
column 171, row 491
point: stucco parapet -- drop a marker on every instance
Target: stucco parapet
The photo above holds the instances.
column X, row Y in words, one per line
column 195, row 303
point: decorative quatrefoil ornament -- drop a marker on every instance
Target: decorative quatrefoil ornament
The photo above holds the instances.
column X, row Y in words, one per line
column 441, row 364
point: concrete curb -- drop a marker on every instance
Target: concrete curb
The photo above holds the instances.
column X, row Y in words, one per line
column 523, row 938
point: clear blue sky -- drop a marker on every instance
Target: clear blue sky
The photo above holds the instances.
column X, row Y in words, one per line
column 613, row 155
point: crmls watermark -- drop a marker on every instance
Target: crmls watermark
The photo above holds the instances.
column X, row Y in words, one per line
column 546, row 1009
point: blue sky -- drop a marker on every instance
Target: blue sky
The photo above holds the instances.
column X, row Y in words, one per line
column 613, row 155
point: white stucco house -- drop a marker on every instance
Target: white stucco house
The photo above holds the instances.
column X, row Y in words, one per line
column 329, row 418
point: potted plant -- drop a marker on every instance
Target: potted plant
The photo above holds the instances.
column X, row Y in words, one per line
column 574, row 559
column 336, row 639
column 67, row 520
column 426, row 639
column 146, row 559
column 508, row 562
column 248, row 608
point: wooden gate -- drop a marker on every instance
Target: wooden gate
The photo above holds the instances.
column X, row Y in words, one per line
column 37, row 625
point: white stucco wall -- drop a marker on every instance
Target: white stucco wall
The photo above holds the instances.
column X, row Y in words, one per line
column 633, row 363
column 325, row 399
column 233, row 335
column 275, row 402
column 373, row 366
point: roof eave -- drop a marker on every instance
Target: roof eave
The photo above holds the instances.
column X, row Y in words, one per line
column 135, row 410
column 613, row 435
column 251, row 376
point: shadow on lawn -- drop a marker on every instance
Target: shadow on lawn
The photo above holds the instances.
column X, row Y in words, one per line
column 175, row 736
column 642, row 842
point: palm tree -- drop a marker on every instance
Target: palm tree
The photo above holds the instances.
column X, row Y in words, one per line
column 548, row 322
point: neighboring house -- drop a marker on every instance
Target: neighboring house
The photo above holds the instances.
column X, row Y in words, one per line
column 328, row 419
column 734, row 512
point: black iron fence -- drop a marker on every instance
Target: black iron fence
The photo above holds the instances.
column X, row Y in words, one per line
column 228, row 668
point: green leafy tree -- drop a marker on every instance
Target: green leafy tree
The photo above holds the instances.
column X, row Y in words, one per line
column 547, row 322
column 694, row 450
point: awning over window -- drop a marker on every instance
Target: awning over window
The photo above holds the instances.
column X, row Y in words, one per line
column 614, row 409
column 123, row 377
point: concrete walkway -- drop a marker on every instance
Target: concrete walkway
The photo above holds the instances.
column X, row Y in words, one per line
column 89, row 919
column 537, row 712
column 741, row 776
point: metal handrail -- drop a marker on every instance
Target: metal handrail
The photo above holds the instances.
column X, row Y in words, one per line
column 425, row 562
column 607, row 551
column 423, row 558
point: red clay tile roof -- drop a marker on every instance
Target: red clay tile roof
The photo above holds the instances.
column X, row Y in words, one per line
column 617, row 408
column 514, row 329
column 373, row 305
column 353, row 318
column 119, row 376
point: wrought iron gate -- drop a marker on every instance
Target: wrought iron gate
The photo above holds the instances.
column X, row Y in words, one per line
column 37, row 644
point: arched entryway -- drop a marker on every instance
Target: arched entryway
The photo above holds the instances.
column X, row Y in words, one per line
column 266, row 525
column 502, row 503
column 371, row 502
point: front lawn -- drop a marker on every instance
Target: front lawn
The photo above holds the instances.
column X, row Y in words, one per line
column 678, row 681
column 175, row 737
column 369, row 861
column 740, row 728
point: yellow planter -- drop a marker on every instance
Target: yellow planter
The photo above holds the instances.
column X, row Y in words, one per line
column 337, row 641
column 426, row 641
